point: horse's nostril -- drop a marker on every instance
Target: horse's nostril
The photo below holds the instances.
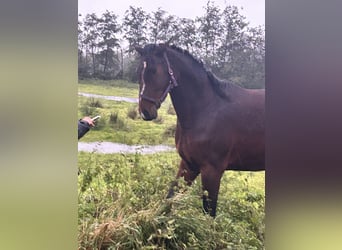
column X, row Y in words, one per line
column 145, row 115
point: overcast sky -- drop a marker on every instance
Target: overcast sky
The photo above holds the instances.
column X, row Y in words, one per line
column 253, row 10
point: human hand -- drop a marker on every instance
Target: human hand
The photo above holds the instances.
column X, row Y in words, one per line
column 88, row 120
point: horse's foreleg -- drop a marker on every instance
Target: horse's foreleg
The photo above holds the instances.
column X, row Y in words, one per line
column 183, row 171
column 210, row 183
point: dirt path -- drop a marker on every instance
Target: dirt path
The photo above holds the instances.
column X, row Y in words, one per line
column 111, row 148
column 112, row 98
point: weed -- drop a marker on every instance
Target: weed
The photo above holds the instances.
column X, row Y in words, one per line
column 87, row 111
column 96, row 103
column 116, row 122
column 159, row 120
column 171, row 110
column 132, row 113
column 113, row 118
column 170, row 131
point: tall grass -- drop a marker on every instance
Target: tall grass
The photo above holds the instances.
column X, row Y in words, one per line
column 171, row 110
column 170, row 131
column 122, row 205
column 132, row 112
column 93, row 102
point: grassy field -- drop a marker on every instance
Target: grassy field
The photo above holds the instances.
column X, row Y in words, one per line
column 114, row 88
column 121, row 197
column 120, row 121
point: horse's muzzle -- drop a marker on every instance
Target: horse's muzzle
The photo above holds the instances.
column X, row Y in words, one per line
column 147, row 116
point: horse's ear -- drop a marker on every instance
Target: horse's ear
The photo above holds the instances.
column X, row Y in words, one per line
column 139, row 49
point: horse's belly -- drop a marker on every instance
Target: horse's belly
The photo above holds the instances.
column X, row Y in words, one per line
column 251, row 160
column 243, row 154
column 247, row 166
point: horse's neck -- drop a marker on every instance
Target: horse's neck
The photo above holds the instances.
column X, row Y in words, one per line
column 194, row 93
column 191, row 99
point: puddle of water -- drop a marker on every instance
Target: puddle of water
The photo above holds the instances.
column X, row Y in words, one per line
column 112, row 98
column 111, row 148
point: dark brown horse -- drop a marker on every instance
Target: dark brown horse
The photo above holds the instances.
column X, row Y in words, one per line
column 220, row 126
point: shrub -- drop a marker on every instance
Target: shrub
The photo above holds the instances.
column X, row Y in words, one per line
column 159, row 120
column 90, row 107
column 171, row 110
column 132, row 113
column 117, row 122
column 96, row 103
column 87, row 111
column 113, row 118
column 170, row 131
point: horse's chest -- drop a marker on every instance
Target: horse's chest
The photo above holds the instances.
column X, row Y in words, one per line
column 192, row 149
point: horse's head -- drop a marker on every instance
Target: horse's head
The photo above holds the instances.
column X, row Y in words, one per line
column 155, row 79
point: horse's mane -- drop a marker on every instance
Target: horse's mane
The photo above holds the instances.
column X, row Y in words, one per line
column 221, row 87
column 187, row 53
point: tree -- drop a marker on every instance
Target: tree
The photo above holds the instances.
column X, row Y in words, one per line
column 233, row 27
column 246, row 65
column 221, row 38
column 209, row 32
column 186, row 36
column 255, row 41
column 91, row 36
column 135, row 27
column 82, row 60
column 162, row 27
column 108, row 29
column 80, row 40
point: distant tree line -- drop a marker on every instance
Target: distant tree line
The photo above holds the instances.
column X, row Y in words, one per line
column 222, row 39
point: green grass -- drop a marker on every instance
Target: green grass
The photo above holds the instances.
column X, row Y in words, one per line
column 109, row 88
column 122, row 205
column 130, row 131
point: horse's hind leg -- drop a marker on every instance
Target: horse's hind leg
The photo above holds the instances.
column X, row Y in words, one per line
column 183, row 171
column 210, row 183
